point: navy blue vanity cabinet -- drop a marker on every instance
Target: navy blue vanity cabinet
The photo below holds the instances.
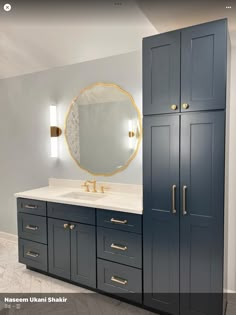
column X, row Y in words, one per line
column 33, row 254
column 185, row 70
column 183, row 240
column 122, row 221
column 202, row 212
column 35, row 207
column 119, row 254
column 161, row 212
column 33, row 228
column 32, row 232
column 59, row 248
column 72, row 251
column 100, row 249
column 119, row 246
column 183, row 180
column 72, row 213
column 72, row 243
column 161, row 73
column 83, row 254
column 204, row 66
column 120, row 280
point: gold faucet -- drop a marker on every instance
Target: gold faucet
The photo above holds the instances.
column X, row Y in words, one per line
column 86, row 185
column 94, row 182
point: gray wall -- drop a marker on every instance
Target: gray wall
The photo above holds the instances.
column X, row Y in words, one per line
column 25, row 161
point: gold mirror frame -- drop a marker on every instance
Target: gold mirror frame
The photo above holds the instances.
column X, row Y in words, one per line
column 132, row 157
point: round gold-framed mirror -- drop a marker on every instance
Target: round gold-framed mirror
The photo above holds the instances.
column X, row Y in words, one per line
column 103, row 129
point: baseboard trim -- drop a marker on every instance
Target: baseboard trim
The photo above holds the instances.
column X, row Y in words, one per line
column 8, row 237
column 230, row 291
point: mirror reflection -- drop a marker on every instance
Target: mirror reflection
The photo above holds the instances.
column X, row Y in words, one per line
column 103, row 129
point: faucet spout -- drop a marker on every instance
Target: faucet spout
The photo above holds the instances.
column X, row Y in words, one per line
column 94, row 182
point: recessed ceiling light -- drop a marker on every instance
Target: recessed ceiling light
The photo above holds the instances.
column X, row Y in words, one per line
column 228, row 7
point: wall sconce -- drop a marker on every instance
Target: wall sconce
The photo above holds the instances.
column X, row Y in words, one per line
column 55, row 131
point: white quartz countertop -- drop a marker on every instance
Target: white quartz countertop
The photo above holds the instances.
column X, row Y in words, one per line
column 118, row 200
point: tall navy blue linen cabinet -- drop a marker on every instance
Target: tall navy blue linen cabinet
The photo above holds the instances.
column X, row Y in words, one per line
column 184, row 103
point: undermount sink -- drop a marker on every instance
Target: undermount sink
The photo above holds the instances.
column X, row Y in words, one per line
column 83, row 196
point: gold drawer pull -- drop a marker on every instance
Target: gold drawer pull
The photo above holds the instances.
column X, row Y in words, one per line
column 119, row 280
column 119, row 247
column 31, row 207
column 32, row 227
column 32, row 254
column 119, row 221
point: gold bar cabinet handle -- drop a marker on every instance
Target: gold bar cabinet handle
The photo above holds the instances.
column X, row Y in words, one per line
column 184, row 200
column 173, row 199
column 31, row 207
column 119, row 280
column 31, row 254
column 119, row 247
column 31, row 227
column 118, row 221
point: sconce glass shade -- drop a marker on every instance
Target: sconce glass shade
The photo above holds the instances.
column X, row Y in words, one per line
column 54, row 135
column 54, row 147
column 53, row 115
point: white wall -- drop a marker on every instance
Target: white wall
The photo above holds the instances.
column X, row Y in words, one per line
column 232, row 179
column 25, row 161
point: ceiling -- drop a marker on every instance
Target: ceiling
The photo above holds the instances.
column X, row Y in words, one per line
column 167, row 15
column 35, row 36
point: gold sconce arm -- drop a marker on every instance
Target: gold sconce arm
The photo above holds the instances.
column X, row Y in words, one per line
column 131, row 134
column 55, row 131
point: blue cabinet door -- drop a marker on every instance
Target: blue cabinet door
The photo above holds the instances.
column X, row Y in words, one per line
column 202, row 213
column 59, row 248
column 161, row 213
column 83, row 254
column 161, row 73
column 204, row 66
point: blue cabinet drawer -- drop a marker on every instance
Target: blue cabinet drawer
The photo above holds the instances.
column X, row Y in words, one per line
column 119, row 246
column 120, row 220
column 71, row 213
column 32, row 227
column 36, row 207
column 33, row 254
column 120, row 280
